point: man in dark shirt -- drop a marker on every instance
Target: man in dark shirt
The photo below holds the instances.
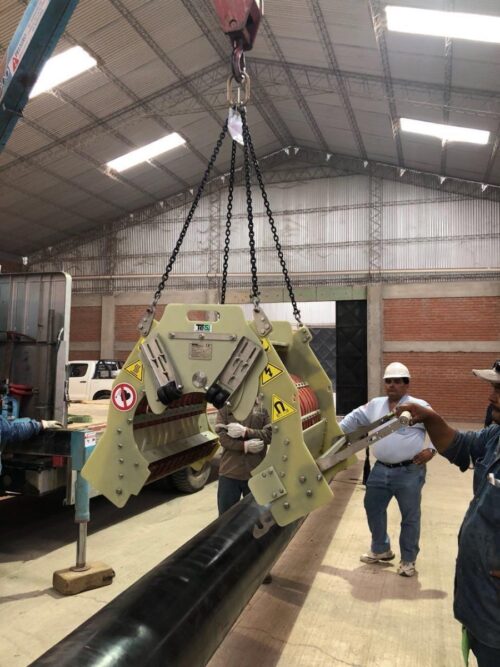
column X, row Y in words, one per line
column 22, row 429
column 477, row 580
column 244, row 445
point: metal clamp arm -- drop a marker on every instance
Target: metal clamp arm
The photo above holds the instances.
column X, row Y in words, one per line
column 361, row 438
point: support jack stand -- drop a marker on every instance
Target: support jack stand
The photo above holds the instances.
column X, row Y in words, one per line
column 83, row 576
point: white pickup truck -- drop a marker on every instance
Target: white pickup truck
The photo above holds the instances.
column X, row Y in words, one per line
column 91, row 380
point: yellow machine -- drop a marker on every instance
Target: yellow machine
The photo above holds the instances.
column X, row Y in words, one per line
column 157, row 410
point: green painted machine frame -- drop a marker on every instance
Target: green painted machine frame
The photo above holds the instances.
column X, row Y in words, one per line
column 194, row 347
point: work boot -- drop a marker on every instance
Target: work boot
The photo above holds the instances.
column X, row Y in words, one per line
column 406, row 569
column 372, row 557
column 267, row 579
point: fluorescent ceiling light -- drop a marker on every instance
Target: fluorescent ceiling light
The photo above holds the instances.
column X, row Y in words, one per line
column 147, row 152
column 444, row 132
column 61, row 68
column 478, row 27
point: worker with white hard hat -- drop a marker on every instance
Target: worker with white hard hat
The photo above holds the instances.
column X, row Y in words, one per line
column 477, row 577
column 399, row 472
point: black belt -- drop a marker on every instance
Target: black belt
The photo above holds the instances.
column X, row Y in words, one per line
column 396, row 465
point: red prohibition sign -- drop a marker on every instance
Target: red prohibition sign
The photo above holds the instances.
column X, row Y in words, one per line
column 124, row 397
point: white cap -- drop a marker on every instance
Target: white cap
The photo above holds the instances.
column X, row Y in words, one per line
column 396, row 370
column 490, row 374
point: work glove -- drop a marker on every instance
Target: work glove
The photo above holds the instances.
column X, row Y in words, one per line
column 50, row 423
column 253, row 446
column 235, row 430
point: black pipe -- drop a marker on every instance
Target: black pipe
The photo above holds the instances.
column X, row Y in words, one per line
column 177, row 614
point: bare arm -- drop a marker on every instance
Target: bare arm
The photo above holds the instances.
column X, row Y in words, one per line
column 440, row 433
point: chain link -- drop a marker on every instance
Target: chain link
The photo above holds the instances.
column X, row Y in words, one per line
column 288, row 282
column 254, row 296
column 185, row 227
column 225, row 263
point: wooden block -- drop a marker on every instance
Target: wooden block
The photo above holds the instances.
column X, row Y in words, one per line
column 69, row 582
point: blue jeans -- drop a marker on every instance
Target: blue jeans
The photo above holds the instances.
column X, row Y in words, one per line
column 405, row 484
column 229, row 492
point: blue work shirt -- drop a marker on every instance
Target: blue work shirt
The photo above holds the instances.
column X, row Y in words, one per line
column 477, row 593
column 14, row 431
column 403, row 444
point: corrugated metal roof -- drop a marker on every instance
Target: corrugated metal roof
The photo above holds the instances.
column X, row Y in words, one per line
column 160, row 67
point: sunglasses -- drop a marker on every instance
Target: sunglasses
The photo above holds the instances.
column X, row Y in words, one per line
column 393, row 380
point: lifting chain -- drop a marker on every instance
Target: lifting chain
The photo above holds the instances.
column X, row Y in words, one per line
column 288, row 282
column 254, row 296
column 250, row 159
column 145, row 323
column 225, row 262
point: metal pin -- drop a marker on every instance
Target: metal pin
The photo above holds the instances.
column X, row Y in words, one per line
column 275, row 495
column 286, row 441
column 309, row 492
column 286, row 506
column 282, row 474
column 120, row 476
column 120, row 446
column 319, row 477
column 284, row 457
column 263, row 474
column 119, row 492
column 118, row 430
column 302, row 479
column 121, row 460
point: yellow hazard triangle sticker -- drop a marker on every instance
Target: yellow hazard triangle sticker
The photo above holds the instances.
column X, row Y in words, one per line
column 135, row 369
column 281, row 409
column 269, row 373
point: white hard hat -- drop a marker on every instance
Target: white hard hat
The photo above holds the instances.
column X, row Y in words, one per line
column 396, row 370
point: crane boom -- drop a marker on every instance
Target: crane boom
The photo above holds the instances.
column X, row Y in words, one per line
column 36, row 36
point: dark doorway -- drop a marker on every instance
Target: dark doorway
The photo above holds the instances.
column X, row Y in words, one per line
column 324, row 346
column 352, row 377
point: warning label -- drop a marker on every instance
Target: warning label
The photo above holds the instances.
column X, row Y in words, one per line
column 269, row 373
column 135, row 369
column 265, row 343
column 123, row 397
column 281, row 409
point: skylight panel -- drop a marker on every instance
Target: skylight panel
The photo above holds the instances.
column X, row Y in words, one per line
column 61, row 68
column 147, row 152
column 459, row 25
column 444, row 132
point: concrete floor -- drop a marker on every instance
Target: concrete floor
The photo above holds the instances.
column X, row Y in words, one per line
column 324, row 607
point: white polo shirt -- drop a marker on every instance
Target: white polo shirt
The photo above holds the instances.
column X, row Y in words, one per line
column 403, row 444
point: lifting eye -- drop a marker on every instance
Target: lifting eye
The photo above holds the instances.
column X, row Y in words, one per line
column 203, row 315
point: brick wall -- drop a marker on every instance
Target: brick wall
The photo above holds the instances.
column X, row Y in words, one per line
column 127, row 318
column 469, row 318
column 85, row 327
column 444, row 378
column 446, row 381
